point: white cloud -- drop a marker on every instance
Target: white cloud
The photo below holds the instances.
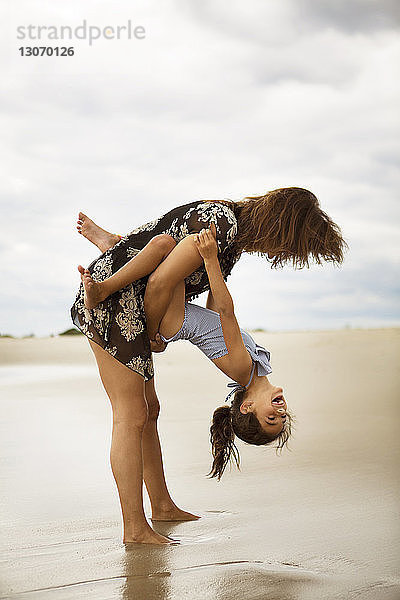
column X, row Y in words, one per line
column 220, row 100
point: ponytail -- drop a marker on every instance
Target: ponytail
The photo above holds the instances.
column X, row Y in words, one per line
column 227, row 422
column 222, row 438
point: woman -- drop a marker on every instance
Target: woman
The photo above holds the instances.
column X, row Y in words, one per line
column 286, row 225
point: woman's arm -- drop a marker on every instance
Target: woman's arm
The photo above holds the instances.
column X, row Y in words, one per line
column 207, row 248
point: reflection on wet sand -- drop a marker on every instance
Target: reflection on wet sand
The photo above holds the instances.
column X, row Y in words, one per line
column 221, row 581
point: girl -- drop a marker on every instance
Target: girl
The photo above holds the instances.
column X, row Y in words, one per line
column 286, row 225
column 258, row 413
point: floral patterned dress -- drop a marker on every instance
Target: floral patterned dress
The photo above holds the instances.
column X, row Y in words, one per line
column 119, row 324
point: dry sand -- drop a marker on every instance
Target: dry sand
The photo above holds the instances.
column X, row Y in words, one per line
column 319, row 522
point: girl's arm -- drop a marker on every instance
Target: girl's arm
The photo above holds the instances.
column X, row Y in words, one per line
column 241, row 360
column 210, row 304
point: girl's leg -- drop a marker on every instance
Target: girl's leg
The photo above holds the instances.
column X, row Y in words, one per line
column 130, row 413
column 142, row 264
column 163, row 508
column 99, row 237
column 179, row 264
column 180, row 261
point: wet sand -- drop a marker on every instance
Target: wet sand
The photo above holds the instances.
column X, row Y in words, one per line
column 318, row 522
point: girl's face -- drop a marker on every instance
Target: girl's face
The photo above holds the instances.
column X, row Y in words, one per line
column 270, row 407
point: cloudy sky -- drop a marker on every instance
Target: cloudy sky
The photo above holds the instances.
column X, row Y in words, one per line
column 219, row 100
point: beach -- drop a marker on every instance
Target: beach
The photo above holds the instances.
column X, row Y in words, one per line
column 318, row 522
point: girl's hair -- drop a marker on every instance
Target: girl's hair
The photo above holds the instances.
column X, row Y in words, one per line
column 227, row 422
column 288, row 224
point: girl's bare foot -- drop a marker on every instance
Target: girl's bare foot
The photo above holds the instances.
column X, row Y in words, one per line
column 94, row 292
column 174, row 514
column 99, row 237
column 149, row 536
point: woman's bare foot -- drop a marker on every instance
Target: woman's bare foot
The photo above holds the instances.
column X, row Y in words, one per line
column 174, row 514
column 149, row 536
column 99, row 237
column 94, row 292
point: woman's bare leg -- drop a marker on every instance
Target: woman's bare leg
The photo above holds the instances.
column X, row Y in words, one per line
column 140, row 265
column 163, row 508
column 130, row 413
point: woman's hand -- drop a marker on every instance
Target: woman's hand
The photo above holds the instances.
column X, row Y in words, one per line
column 206, row 244
column 158, row 344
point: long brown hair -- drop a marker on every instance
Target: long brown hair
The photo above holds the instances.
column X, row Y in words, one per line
column 287, row 225
column 227, row 422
